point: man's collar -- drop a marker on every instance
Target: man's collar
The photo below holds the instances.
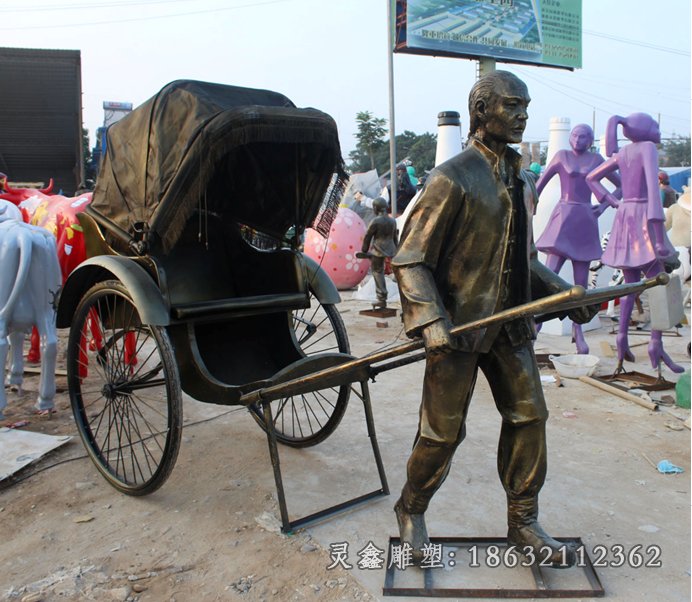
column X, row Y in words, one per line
column 512, row 156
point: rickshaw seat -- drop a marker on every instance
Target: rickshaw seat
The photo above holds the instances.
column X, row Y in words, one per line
column 224, row 274
column 222, row 306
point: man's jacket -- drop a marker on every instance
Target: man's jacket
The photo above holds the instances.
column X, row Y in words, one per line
column 454, row 249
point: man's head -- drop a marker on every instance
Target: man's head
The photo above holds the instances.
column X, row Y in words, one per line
column 663, row 178
column 379, row 205
column 498, row 105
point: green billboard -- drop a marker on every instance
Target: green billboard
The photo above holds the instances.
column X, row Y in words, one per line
column 541, row 32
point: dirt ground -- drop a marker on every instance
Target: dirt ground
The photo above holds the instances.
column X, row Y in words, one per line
column 211, row 532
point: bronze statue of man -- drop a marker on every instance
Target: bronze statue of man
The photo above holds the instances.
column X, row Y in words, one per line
column 466, row 253
column 379, row 242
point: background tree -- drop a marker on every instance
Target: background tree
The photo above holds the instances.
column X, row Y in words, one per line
column 422, row 152
column 370, row 136
column 675, row 152
column 372, row 150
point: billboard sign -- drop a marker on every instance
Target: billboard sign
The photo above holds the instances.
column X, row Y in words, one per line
column 114, row 111
column 540, row 32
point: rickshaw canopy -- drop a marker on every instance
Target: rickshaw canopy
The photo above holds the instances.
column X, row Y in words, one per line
column 245, row 154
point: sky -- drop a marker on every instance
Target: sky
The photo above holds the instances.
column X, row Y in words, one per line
column 332, row 55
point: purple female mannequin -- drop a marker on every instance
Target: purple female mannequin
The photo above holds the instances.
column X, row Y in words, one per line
column 638, row 242
column 572, row 230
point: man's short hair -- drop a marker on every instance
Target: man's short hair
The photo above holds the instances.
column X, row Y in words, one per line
column 485, row 90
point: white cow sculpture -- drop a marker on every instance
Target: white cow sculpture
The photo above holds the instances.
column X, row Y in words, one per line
column 29, row 282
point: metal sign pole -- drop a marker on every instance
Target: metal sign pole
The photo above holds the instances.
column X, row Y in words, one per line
column 485, row 65
column 392, row 139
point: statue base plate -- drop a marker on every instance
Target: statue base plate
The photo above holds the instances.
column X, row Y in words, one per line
column 484, row 567
column 379, row 312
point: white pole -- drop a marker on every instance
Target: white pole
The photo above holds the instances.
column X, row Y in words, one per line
column 392, row 139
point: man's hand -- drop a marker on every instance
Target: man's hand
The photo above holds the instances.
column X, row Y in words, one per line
column 584, row 314
column 437, row 338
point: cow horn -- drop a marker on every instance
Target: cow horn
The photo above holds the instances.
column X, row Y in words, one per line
column 48, row 188
column 8, row 188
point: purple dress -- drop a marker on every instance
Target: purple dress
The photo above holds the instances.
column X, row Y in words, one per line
column 631, row 242
column 572, row 230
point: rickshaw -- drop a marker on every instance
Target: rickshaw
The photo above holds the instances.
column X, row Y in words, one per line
column 194, row 283
column 194, row 280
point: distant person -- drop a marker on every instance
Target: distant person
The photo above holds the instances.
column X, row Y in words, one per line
column 363, row 200
column 405, row 191
column 668, row 194
column 412, row 174
column 421, row 181
column 535, row 171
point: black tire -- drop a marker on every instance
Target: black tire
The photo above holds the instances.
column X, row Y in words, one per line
column 309, row 418
column 128, row 410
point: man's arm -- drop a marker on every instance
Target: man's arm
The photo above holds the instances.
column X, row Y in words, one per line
column 422, row 244
column 367, row 239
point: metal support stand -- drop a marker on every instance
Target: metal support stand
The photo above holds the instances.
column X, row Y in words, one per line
column 287, row 525
column 546, row 580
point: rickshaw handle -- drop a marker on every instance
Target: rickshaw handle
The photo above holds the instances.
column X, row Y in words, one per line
column 558, row 303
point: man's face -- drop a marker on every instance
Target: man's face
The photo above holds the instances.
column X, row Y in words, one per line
column 506, row 113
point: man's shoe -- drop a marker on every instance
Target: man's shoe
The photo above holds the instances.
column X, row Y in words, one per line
column 532, row 539
column 412, row 531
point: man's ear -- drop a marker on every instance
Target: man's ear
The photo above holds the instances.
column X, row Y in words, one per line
column 481, row 109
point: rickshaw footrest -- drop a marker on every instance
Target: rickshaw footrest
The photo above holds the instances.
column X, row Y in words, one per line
column 287, row 525
column 305, row 521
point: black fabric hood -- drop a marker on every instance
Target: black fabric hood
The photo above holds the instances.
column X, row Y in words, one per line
column 248, row 155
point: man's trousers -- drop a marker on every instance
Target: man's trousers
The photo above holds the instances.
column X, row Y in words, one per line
column 514, row 380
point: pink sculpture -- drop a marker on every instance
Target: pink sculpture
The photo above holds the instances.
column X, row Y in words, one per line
column 638, row 242
column 572, row 230
column 337, row 254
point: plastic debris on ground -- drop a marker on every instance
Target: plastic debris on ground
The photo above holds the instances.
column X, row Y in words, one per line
column 667, row 467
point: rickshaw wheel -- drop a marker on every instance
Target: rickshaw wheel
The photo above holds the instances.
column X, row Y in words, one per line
column 309, row 418
column 124, row 390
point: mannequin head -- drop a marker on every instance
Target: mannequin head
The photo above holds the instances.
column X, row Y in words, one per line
column 641, row 126
column 637, row 127
column 581, row 138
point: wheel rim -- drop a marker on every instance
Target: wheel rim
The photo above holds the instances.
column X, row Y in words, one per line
column 314, row 330
column 122, row 392
column 307, row 419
